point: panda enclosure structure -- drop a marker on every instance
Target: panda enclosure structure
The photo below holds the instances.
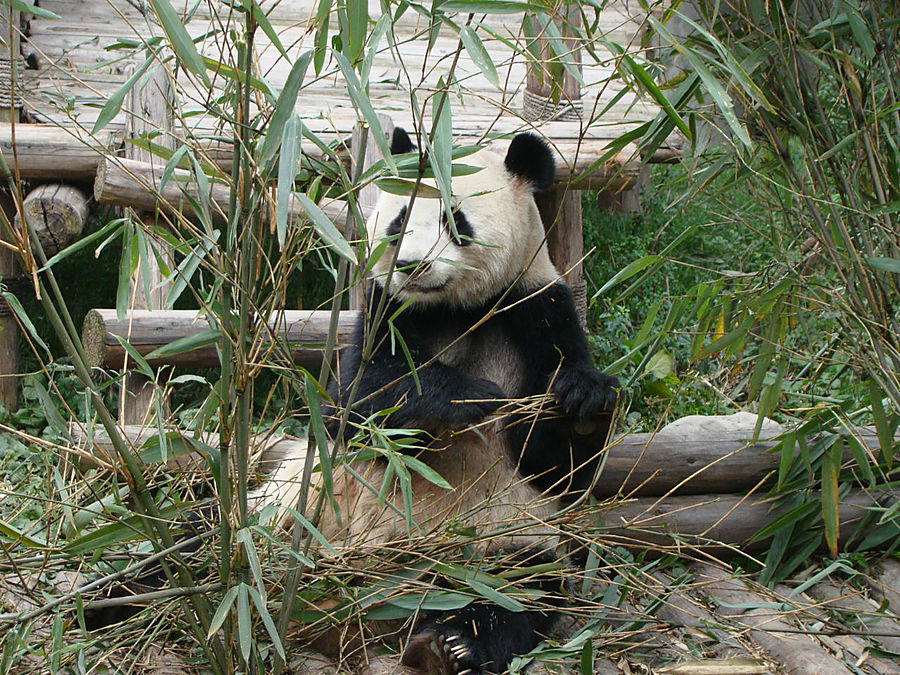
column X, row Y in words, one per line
column 66, row 74
column 697, row 479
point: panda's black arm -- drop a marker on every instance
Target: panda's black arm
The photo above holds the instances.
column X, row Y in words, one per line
column 548, row 334
column 430, row 400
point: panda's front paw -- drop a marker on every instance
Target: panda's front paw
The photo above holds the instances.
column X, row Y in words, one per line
column 480, row 399
column 585, row 391
column 445, row 652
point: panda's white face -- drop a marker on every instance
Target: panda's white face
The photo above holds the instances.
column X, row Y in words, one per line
column 496, row 240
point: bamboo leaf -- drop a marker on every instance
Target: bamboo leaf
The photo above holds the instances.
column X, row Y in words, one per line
column 317, row 425
column 179, row 39
column 135, row 356
column 260, row 602
column 284, row 109
column 490, row 6
column 222, row 612
column 425, row 471
column 287, row 171
column 883, row 264
column 495, row 596
column 885, row 437
column 263, row 21
column 404, row 186
column 643, row 77
column 326, row 229
column 363, row 104
column 831, row 470
column 29, row 8
column 628, row 271
column 244, row 622
column 188, row 343
column 18, row 537
column 479, row 55
column 114, row 103
column 22, row 315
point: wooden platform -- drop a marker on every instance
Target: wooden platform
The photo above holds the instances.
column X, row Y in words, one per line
column 76, row 73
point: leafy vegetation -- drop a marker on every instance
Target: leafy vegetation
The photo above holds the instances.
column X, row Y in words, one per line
column 762, row 274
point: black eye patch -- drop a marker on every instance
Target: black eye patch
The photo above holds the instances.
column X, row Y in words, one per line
column 394, row 227
column 461, row 233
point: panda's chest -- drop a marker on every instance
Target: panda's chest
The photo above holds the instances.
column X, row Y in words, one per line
column 485, row 353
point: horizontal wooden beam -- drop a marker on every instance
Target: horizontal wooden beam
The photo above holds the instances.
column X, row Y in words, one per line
column 129, row 182
column 304, row 332
column 46, row 152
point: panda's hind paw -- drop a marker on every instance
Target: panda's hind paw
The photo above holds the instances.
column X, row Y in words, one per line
column 585, row 391
column 436, row 652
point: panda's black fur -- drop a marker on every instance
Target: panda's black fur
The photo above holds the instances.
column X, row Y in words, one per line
column 487, row 322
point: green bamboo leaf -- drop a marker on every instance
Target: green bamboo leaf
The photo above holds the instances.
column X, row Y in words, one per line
column 287, row 171
column 284, row 109
column 883, row 264
column 260, row 602
column 18, row 537
column 715, row 88
column 479, row 55
column 317, row 425
column 245, row 539
column 188, row 343
column 126, row 268
column 628, row 271
column 135, row 356
column 22, row 315
column 112, row 106
column 263, row 21
column 363, row 104
column 404, row 186
column 356, row 19
column 786, row 459
column 244, row 622
column 885, row 437
column 831, row 471
column 727, row 340
column 85, row 241
column 309, row 527
column 425, row 471
column 861, row 456
column 323, row 16
column 326, row 229
column 789, row 517
column 860, row 30
column 222, row 612
column 495, row 596
column 643, row 77
column 179, row 39
column 490, row 6
column 29, row 8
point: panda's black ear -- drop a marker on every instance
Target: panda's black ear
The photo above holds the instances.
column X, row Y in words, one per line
column 401, row 142
column 531, row 158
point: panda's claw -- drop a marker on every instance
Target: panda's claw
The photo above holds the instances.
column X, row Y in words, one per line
column 436, row 653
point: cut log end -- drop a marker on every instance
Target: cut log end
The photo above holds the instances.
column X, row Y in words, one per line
column 93, row 337
column 57, row 215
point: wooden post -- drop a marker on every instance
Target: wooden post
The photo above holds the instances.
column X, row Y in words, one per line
column 367, row 196
column 9, row 113
column 551, row 92
column 149, row 112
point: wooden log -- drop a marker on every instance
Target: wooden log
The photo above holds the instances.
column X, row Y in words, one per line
column 716, row 523
column 128, row 182
column 737, row 604
column 561, row 211
column 57, row 213
column 304, row 331
column 48, row 153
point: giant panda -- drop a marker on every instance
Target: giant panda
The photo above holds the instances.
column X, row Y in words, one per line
column 479, row 309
